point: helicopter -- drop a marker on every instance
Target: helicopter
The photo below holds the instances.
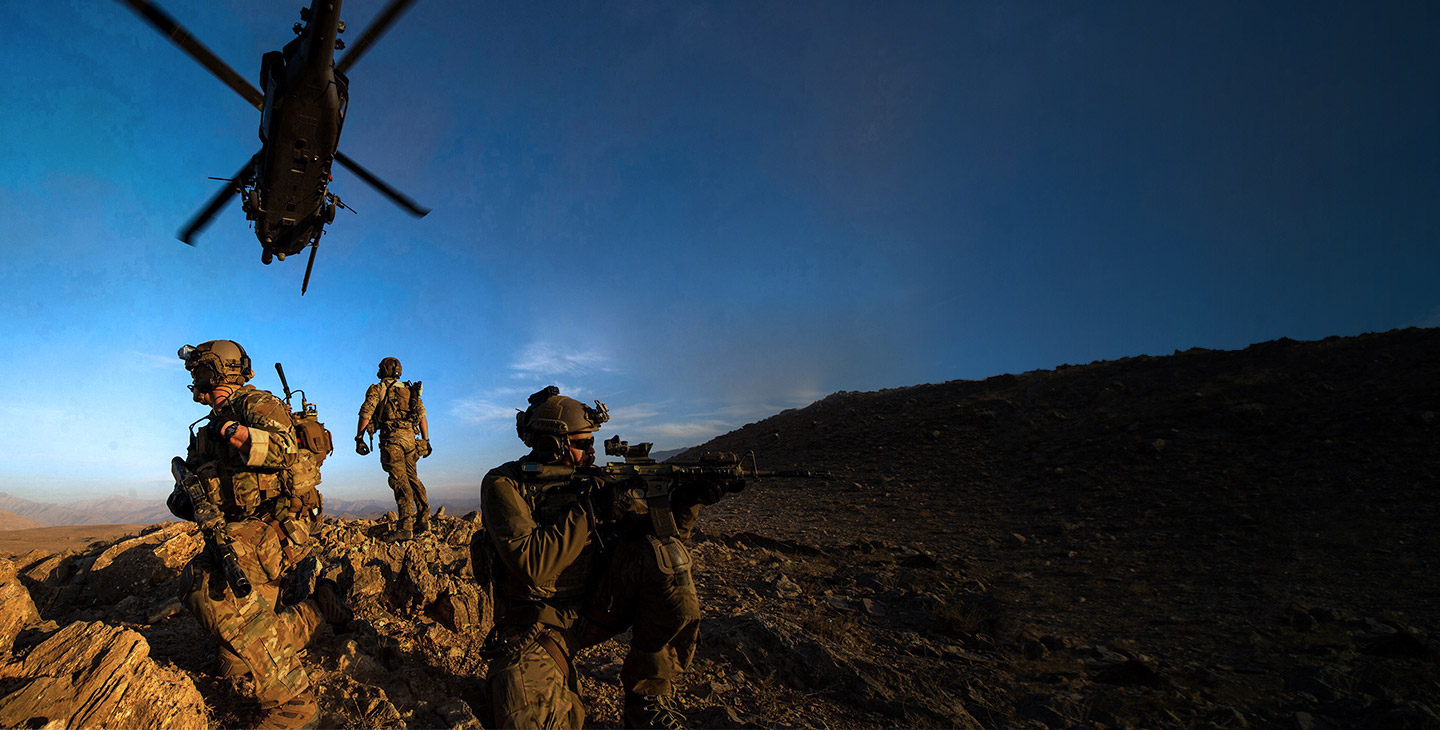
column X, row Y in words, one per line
column 284, row 188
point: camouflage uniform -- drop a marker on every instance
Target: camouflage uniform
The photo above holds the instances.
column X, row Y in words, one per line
column 398, row 449
column 557, row 593
column 541, row 535
column 648, row 588
column 255, row 633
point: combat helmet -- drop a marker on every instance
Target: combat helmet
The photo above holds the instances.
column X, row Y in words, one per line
column 388, row 368
column 215, row 362
column 552, row 416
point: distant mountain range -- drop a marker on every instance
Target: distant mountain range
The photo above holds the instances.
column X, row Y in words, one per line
column 112, row 510
column 118, row 510
column 21, row 514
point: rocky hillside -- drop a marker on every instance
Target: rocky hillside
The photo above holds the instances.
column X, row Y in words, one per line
column 11, row 521
column 1205, row 540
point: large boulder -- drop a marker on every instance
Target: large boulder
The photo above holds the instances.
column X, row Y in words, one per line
column 93, row 675
column 133, row 567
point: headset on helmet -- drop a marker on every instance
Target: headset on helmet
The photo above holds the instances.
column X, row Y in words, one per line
column 555, row 415
column 215, row 362
column 388, row 368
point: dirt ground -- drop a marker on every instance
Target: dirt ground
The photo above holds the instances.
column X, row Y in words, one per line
column 60, row 539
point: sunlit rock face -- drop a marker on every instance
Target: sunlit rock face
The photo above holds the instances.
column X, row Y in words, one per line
column 91, row 674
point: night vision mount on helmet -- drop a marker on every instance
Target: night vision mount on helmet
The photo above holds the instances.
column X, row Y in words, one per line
column 215, row 362
column 552, row 414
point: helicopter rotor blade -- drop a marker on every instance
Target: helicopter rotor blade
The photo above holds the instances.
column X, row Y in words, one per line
column 171, row 29
column 394, row 195
column 202, row 218
column 308, row 266
column 378, row 26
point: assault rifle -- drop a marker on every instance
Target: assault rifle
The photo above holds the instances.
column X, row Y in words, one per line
column 648, row 484
column 212, row 525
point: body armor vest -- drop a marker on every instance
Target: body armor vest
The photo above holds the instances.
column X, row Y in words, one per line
column 554, row 601
column 237, row 489
column 396, row 409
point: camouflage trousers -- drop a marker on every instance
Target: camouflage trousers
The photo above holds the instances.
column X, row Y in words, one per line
column 254, row 633
column 530, row 689
column 648, row 589
column 398, row 455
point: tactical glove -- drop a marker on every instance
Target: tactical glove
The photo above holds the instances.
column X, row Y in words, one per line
column 596, row 499
column 424, row 446
column 361, row 447
column 704, row 491
column 180, row 505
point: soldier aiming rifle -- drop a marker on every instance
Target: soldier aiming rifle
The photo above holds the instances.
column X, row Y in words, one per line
column 576, row 554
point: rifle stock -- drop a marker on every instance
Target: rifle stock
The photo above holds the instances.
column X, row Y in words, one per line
column 212, row 525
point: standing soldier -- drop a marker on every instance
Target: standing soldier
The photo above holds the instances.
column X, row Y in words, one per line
column 247, row 461
column 396, row 410
column 566, row 575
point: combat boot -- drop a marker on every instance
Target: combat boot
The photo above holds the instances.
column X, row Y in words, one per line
column 645, row 712
column 300, row 712
column 400, row 534
column 422, row 526
column 332, row 606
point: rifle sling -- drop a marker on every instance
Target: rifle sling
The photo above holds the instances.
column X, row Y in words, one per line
column 547, row 641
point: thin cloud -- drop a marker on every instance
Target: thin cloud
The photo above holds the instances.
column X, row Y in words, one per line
column 500, row 404
column 542, row 359
column 161, row 362
column 686, row 434
column 1432, row 319
column 480, row 412
column 636, row 414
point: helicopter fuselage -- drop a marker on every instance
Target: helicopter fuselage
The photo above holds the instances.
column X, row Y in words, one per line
column 288, row 198
column 284, row 188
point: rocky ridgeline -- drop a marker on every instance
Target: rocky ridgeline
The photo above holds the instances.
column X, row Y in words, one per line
column 98, row 637
column 1225, row 540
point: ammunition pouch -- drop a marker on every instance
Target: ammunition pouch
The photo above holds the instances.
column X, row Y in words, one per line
column 315, row 438
column 670, row 555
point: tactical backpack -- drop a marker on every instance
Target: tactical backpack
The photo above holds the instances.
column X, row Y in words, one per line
column 390, row 409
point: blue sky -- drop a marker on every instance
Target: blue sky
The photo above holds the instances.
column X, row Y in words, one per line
column 700, row 213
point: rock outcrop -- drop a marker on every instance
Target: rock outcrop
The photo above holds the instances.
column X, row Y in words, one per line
column 17, row 610
column 94, row 675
